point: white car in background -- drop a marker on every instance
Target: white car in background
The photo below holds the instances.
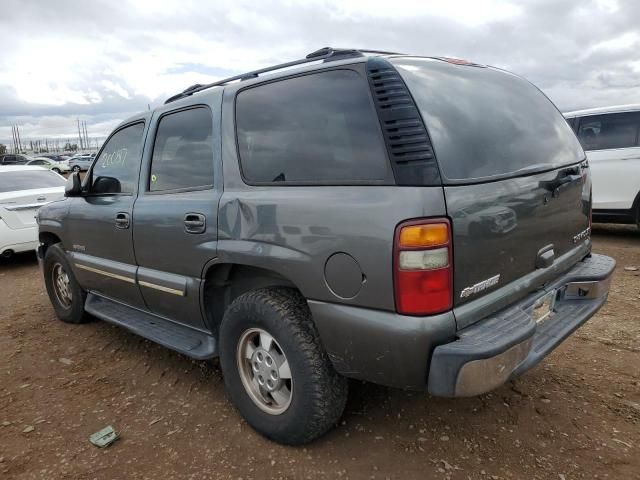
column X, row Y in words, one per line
column 23, row 190
column 610, row 137
column 81, row 161
column 44, row 162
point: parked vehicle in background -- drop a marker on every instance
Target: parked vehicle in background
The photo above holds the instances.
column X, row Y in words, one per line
column 23, row 190
column 58, row 167
column 55, row 156
column 81, row 162
column 14, row 159
column 307, row 226
column 610, row 137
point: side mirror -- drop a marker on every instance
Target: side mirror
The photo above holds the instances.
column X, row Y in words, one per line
column 73, row 187
column 106, row 185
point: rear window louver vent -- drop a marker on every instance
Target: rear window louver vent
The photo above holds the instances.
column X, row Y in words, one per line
column 405, row 135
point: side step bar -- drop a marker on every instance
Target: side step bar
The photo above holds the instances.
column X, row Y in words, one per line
column 188, row 341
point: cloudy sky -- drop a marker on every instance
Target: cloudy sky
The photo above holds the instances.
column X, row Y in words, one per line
column 101, row 61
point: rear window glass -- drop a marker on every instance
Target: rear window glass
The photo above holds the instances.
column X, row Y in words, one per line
column 615, row 130
column 29, row 180
column 318, row 128
column 485, row 123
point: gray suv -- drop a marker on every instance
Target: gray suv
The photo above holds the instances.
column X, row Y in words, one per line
column 417, row 222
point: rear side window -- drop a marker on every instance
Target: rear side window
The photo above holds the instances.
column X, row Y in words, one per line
column 116, row 169
column 485, row 123
column 318, row 128
column 614, row 130
column 183, row 152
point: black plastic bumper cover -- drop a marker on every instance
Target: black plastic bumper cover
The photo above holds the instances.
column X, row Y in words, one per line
column 507, row 344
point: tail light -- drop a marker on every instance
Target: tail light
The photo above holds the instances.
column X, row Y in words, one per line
column 423, row 270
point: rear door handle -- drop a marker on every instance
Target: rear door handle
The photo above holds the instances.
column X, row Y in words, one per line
column 195, row 223
column 122, row 220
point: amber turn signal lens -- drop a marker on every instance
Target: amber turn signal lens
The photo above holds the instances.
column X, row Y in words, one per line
column 426, row 235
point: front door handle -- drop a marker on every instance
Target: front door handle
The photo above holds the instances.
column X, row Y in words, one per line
column 195, row 223
column 122, row 220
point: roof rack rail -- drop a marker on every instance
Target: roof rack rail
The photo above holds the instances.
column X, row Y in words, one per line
column 326, row 54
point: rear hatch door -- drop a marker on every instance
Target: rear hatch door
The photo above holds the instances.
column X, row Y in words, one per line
column 515, row 179
column 505, row 230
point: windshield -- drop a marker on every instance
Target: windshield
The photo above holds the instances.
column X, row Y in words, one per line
column 485, row 123
column 28, row 180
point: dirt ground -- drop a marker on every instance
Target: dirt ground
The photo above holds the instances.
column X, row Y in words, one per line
column 576, row 415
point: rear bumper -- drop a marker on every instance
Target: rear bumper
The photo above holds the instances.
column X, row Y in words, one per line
column 507, row 344
column 428, row 352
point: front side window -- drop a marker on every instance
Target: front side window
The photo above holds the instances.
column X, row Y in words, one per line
column 615, row 130
column 183, row 152
column 116, row 169
column 315, row 128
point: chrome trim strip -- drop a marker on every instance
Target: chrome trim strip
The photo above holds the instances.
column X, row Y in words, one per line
column 161, row 288
column 106, row 274
column 27, row 206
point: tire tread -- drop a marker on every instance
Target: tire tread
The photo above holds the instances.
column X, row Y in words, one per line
column 326, row 389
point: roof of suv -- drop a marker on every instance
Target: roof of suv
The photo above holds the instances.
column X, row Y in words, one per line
column 326, row 54
column 316, row 60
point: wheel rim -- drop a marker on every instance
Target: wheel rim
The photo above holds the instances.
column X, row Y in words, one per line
column 61, row 285
column 264, row 371
column 76, row 169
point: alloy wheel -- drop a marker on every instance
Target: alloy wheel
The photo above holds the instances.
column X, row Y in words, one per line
column 61, row 285
column 264, row 371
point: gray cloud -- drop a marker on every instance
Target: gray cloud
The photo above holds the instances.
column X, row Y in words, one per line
column 118, row 57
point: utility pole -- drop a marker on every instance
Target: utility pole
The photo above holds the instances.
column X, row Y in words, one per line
column 79, row 135
column 19, row 139
column 86, row 135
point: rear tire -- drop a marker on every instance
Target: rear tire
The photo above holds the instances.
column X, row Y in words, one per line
column 64, row 290
column 317, row 393
column 76, row 168
column 57, row 170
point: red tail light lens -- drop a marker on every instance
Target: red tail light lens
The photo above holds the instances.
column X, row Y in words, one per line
column 423, row 278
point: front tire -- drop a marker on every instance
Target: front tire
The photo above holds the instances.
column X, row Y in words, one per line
column 64, row 290
column 275, row 370
column 57, row 170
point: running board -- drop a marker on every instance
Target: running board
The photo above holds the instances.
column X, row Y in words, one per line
column 188, row 341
